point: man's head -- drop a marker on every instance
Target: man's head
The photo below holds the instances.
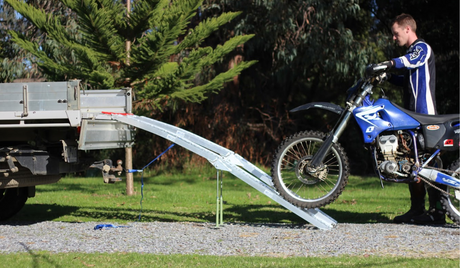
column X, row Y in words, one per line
column 403, row 29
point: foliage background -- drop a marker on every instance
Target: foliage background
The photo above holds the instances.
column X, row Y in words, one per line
column 306, row 51
column 251, row 115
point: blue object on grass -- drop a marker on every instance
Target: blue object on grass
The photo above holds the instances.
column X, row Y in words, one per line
column 101, row 226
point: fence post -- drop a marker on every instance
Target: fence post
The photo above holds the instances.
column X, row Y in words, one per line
column 129, row 175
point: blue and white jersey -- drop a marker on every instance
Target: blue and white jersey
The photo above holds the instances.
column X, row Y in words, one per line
column 420, row 78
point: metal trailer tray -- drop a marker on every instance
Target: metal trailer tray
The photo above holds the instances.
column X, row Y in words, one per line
column 64, row 104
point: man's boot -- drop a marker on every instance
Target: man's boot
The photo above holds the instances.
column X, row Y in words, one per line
column 417, row 203
column 436, row 214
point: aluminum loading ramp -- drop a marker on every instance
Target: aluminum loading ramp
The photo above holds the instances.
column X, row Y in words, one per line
column 222, row 159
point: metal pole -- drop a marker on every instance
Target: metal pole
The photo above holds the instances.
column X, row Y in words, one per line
column 217, row 199
column 221, row 200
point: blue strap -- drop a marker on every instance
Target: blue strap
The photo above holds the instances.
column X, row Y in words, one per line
column 142, row 170
column 142, row 179
column 101, row 226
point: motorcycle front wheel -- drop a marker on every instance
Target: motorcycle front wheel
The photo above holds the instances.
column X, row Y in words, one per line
column 297, row 183
column 451, row 203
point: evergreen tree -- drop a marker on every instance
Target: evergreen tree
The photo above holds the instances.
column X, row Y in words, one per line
column 308, row 50
column 13, row 59
column 165, row 55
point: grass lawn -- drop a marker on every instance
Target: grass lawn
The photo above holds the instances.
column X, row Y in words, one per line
column 190, row 195
column 46, row 259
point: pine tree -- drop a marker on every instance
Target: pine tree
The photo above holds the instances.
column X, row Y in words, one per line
column 165, row 56
column 13, row 59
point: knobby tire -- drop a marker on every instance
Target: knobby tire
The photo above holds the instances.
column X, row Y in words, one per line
column 301, row 188
column 450, row 203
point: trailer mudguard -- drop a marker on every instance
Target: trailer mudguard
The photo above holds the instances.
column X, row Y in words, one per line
column 319, row 105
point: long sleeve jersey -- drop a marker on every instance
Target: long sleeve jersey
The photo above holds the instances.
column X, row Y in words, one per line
column 419, row 79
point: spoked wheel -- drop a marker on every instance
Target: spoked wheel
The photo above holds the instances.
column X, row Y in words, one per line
column 451, row 203
column 297, row 182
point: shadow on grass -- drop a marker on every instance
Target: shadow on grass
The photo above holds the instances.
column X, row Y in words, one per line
column 357, row 217
column 273, row 213
column 232, row 213
column 40, row 258
column 259, row 213
column 33, row 213
column 247, row 214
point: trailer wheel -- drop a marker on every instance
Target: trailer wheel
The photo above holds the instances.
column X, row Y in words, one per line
column 11, row 201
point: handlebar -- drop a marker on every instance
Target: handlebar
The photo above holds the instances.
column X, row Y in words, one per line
column 374, row 74
column 373, row 70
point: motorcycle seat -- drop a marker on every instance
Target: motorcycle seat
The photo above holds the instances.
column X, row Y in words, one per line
column 428, row 119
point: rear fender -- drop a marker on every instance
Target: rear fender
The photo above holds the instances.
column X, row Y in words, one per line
column 319, row 105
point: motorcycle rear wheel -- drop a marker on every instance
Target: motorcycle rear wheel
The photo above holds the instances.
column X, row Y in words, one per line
column 298, row 185
column 451, row 204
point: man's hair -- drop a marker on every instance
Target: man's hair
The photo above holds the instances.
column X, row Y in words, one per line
column 405, row 20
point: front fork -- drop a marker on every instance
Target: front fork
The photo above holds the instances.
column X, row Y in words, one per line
column 317, row 160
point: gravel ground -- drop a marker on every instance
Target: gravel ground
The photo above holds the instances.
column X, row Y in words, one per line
column 276, row 240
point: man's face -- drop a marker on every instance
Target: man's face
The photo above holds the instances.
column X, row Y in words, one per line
column 400, row 34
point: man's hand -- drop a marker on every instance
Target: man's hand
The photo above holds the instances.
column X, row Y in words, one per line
column 373, row 69
column 384, row 66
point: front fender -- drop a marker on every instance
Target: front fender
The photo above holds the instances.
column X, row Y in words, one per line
column 319, row 105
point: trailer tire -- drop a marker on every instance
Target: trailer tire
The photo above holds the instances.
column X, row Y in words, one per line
column 11, row 201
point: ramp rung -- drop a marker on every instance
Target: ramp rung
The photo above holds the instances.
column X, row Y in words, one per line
column 223, row 159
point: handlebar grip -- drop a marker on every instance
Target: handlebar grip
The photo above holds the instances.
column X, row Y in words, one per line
column 374, row 69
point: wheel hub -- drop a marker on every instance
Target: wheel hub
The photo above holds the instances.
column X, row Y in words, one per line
column 306, row 174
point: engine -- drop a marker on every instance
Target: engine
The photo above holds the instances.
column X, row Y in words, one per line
column 394, row 154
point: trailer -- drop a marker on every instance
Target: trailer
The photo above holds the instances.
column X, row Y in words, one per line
column 46, row 128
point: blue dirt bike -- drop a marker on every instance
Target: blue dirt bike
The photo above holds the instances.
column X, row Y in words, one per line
column 310, row 168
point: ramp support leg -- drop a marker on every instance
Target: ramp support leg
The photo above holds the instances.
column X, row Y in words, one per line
column 219, row 200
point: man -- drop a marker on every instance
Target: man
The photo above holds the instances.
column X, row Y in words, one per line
column 419, row 96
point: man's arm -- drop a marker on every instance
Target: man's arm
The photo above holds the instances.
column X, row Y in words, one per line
column 416, row 58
